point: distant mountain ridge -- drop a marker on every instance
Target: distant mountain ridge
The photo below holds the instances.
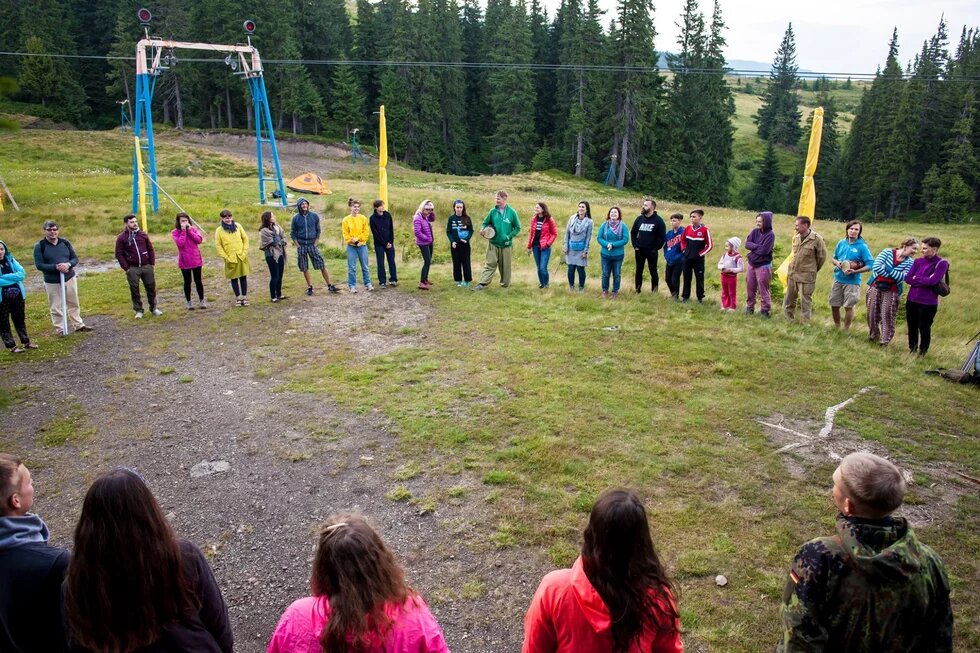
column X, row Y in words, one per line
column 741, row 65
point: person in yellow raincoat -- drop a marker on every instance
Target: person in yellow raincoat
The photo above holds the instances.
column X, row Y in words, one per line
column 231, row 241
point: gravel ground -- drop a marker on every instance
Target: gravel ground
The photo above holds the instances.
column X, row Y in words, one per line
column 294, row 459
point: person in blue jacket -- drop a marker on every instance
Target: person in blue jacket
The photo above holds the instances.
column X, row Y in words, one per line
column 674, row 254
column 851, row 257
column 613, row 238
column 12, row 295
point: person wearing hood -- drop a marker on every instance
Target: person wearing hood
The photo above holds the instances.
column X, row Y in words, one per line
column 758, row 274
column 647, row 235
column 616, row 597
column 852, row 256
column 31, row 571
column 674, row 255
column 871, row 587
column 231, row 241
column 12, row 294
column 134, row 251
column 731, row 265
column 304, row 231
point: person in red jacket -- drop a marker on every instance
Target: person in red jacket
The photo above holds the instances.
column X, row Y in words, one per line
column 616, row 597
column 134, row 251
column 540, row 239
column 697, row 244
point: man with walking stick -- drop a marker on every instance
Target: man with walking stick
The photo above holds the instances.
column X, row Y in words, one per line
column 56, row 259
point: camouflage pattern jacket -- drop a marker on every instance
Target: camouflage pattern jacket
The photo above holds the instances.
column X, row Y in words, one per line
column 871, row 588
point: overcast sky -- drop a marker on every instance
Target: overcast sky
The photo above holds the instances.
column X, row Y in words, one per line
column 848, row 36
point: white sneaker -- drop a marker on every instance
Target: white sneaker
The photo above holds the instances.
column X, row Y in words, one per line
column 157, row 312
column 370, row 288
column 353, row 290
column 139, row 315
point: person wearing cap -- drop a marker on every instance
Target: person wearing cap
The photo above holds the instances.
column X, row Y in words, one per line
column 135, row 255
column 56, row 259
column 304, row 231
column 731, row 265
column 500, row 227
column 872, row 586
column 31, row 571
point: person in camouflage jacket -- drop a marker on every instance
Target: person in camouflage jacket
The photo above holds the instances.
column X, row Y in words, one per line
column 871, row 587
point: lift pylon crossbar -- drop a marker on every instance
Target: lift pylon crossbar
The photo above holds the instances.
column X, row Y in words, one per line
column 151, row 62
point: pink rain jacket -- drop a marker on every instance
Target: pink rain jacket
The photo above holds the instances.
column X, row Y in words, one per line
column 414, row 629
column 567, row 615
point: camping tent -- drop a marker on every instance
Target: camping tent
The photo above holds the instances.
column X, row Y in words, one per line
column 309, row 182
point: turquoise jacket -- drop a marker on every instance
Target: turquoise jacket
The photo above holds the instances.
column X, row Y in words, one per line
column 848, row 251
column 605, row 236
column 14, row 278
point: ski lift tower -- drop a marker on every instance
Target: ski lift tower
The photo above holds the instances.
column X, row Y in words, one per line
column 155, row 56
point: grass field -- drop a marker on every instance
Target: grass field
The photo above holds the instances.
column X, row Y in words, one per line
column 549, row 397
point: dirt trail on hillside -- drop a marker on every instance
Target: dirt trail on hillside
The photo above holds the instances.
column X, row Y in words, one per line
column 164, row 397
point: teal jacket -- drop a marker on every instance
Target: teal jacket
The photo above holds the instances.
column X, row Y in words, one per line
column 505, row 226
column 15, row 278
column 605, row 237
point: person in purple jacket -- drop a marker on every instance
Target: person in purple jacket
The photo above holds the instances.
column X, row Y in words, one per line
column 422, row 224
column 187, row 238
column 923, row 300
column 760, row 243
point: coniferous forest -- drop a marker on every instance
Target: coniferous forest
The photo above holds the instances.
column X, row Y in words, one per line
column 504, row 87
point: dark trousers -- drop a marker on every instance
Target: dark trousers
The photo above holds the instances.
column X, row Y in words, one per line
column 240, row 286
column 649, row 258
column 426, row 261
column 919, row 318
column 693, row 266
column 461, row 262
column 142, row 273
column 196, row 273
column 276, row 270
column 672, row 273
column 381, row 253
column 576, row 270
column 13, row 308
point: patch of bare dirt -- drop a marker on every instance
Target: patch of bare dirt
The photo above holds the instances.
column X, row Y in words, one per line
column 804, row 444
column 162, row 397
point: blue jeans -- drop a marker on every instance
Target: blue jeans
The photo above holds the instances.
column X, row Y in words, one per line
column 355, row 254
column 572, row 270
column 613, row 266
column 541, row 258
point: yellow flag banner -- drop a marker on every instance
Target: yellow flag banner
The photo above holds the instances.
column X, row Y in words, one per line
column 383, row 158
column 141, row 183
column 808, row 194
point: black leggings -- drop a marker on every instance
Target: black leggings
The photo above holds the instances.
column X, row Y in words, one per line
column 196, row 273
column 12, row 308
column 426, row 261
column 919, row 317
column 276, row 270
column 244, row 286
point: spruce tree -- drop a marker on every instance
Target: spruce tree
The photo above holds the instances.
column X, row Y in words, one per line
column 511, row 88
column 479, row 120
column 347, row 101
column 949, row 190
column 779, row 116
column 768, row 191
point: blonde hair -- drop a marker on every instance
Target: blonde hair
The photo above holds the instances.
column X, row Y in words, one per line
column 422, row 206
column 873, row 483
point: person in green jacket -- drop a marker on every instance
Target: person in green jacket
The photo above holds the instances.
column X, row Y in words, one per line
column 500, row 226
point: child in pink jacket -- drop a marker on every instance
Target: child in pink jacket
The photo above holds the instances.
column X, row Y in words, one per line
column 731, row 265
column 351, row 621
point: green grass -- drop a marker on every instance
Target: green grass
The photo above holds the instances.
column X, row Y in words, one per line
column 533, row 403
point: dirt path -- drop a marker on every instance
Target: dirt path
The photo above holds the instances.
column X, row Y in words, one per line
column 163, row 397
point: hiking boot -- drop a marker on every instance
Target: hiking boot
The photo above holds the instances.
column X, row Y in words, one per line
column 614, row 295
column 332, row 288
column 309, row 291
column 605, row 294
column 749, row 310
column 85, row 327
column 765, row 314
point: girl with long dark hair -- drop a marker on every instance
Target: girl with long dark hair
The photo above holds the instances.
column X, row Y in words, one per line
column 188, row 238
column 272, row 241
column 132, row 586
column 12, row 294
column 459, row 230
column 543, row 233
column 361, row 602
column 617, row 596
column 578, row 236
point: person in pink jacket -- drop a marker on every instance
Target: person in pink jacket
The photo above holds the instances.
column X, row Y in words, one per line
column 360, row 600
column 187, row 239
column 619, row 573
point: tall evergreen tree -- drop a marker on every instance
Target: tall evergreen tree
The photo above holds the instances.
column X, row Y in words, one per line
column 950, row 191
column 768, row 190
column 479, row 117
column 511, row 88
column 779, row 116
column 346, row 100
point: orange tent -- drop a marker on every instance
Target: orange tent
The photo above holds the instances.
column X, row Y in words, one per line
column 309, row 182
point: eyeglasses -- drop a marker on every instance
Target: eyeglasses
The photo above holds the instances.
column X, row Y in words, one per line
column 51, row 228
